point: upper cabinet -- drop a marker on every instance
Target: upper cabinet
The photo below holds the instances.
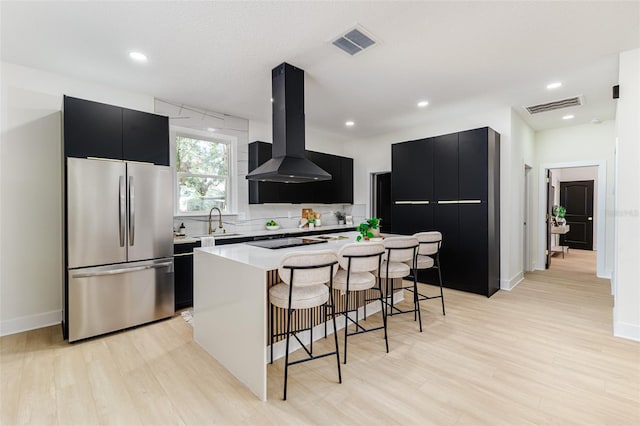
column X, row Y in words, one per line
column 411, row 162
column 338, row 190
column 93, row 129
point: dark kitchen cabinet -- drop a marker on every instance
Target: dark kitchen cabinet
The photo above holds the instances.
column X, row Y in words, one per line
column 183, row 274
column 445, row 167
column 145, row 137
column 338, row 190
column 410, row 161
column 93, row 129
column 462, row 188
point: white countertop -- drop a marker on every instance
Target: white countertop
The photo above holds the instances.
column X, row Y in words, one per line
column 328, row 228
column 269, row 259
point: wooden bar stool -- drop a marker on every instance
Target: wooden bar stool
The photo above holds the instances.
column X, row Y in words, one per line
column 304, row 275
column 399, row 251
column 357, row 262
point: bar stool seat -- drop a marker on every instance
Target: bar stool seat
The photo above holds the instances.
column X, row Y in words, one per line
column 422, row 262
column 357, row 280
column 358, row 261
column 400, row 253
column 304, row 275
column 394, row 269
column 301, row 297
column 428, row 257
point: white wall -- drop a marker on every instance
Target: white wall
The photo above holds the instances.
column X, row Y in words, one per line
column 521, row 153
column 626, row 313
column 31, row 190
column 578, row 145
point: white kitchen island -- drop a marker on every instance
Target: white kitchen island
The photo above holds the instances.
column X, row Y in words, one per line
column 230, row 305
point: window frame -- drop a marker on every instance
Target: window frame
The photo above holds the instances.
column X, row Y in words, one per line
column 231, row 190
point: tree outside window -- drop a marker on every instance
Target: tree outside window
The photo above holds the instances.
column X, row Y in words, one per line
column 202, row 168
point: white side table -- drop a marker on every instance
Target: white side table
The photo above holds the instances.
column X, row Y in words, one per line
column 557, row 230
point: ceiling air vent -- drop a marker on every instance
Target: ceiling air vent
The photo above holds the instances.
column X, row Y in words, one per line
column 354, row 41
column 550, row 106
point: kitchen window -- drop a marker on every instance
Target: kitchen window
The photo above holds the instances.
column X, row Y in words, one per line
column 203, row 172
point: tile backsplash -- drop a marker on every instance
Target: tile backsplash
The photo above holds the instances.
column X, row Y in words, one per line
column 286, row 215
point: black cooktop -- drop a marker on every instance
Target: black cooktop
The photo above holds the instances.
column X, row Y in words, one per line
column 284, row 243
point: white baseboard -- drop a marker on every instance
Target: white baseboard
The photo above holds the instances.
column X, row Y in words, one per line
column 606, row 275
column 318, row 331
column 31, row 322
column 626, row 330
column 510, row 284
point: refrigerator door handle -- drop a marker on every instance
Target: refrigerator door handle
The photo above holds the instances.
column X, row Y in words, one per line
column 121, row 270
column 132, row 212
column 122, row 204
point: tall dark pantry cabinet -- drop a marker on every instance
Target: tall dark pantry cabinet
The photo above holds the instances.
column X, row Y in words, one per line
column 451, row 184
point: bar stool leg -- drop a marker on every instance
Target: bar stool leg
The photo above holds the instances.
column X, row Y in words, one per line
column 440, row 278
column 346, row 321
column 286, row 360
column 271, row 329
column 416, row 301
column 335, row 332
column 384, row 315
column 311, row 330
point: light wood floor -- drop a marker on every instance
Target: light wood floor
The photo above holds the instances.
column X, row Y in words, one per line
column 540, row 354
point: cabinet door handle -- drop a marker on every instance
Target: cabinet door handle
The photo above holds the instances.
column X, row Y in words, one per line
column 448, row 201
column 412, row 202
column 590, row 218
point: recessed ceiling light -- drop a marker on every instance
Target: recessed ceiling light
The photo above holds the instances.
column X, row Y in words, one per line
column 349, row 123
column 271, row 100
column 568, row 117
column 423, row 104
column 211, row 129
column 554, row 85
column 137, row 56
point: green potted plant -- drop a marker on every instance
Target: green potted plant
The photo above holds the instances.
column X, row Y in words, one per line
column 559, row 212
column 341, row 216
column 369, row 229
column 311, row 222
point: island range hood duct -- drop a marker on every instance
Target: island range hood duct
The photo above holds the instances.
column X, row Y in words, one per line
column 288, row 163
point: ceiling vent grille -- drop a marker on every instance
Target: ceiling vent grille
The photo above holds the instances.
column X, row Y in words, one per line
column 354, row 41
column 550, row 106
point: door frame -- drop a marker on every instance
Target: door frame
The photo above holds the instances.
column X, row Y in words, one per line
column 601, row 225
column 527, row 215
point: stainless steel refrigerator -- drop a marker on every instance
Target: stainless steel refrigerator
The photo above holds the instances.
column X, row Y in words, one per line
column 119, row 245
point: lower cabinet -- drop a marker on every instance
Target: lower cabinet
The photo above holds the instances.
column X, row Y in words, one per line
column 183, row 273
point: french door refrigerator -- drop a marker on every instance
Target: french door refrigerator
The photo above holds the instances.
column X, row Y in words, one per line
column 119, row 245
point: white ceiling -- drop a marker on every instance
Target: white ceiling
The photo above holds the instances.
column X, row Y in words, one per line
column 218, row 56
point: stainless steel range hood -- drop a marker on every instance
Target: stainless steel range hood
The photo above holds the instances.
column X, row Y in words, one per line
column 288, row 163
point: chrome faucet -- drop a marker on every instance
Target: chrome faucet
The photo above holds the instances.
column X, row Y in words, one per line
column 212, row 230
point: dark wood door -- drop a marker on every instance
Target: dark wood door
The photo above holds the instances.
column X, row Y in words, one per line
column 547, row 219
column 383, row 201
column 577, row 198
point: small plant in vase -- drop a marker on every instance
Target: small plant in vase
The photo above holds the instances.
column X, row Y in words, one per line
column 341, row 216
column 559, row 213
column 311, row 222
column 369, row 229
